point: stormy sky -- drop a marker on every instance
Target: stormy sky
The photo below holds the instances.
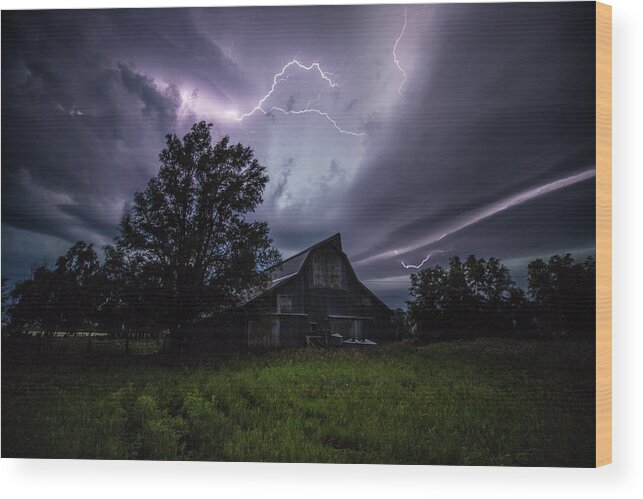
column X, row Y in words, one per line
column 416, row 131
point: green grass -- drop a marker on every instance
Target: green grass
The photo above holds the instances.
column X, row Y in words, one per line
column 479, row 402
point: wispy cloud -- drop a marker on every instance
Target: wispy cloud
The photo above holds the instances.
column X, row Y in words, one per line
column 481, row 214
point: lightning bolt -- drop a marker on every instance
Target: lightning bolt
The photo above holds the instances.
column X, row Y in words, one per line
column 282, row 76
column 410, row 266
column 395, row 59
column 320, row 113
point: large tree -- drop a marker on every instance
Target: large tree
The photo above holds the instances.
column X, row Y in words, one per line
column 189, row 232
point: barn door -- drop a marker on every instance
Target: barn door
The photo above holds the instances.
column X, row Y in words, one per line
column 358, row 333
column 263, row 332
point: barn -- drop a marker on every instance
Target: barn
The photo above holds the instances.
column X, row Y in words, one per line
column 313, row 297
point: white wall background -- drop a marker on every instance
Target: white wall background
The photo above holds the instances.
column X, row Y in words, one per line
column 105, row 479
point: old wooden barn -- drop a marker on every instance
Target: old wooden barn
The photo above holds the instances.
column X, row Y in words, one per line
column 313, row 297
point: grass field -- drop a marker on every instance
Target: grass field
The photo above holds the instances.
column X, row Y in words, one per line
column 478, row 402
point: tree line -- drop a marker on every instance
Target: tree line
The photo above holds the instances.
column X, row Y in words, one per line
column 187, row 247
column 478, row 297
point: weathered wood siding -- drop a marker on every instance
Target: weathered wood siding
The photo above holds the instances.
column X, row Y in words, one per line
column 326, row 269
column 262, row 331
column 340, row 293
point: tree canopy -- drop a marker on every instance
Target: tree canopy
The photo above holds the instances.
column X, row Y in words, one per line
column 479, row 297
column 66, row 298
column 564, row 293
column 188, row 232
column 474, row 295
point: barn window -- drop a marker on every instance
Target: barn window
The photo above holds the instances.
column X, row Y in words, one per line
column 365, row 300
column 284, row 304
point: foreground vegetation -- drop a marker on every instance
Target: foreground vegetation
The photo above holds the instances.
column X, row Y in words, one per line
column 486, row 401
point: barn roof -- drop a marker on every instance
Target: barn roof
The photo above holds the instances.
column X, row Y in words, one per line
column 289, row 268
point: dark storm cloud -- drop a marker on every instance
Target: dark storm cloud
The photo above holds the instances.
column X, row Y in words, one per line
column 74, row 140
column 499, row 100
column 507, row 104
column 82, row 126
column 282, row 182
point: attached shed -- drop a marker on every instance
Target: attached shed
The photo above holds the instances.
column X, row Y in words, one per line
column 313, row 292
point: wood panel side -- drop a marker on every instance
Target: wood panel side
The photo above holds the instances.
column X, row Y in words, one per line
column 603, row 234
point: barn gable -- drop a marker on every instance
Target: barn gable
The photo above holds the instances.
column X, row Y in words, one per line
column 328, row 267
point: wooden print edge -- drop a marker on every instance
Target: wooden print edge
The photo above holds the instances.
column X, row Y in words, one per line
column 603, row 234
